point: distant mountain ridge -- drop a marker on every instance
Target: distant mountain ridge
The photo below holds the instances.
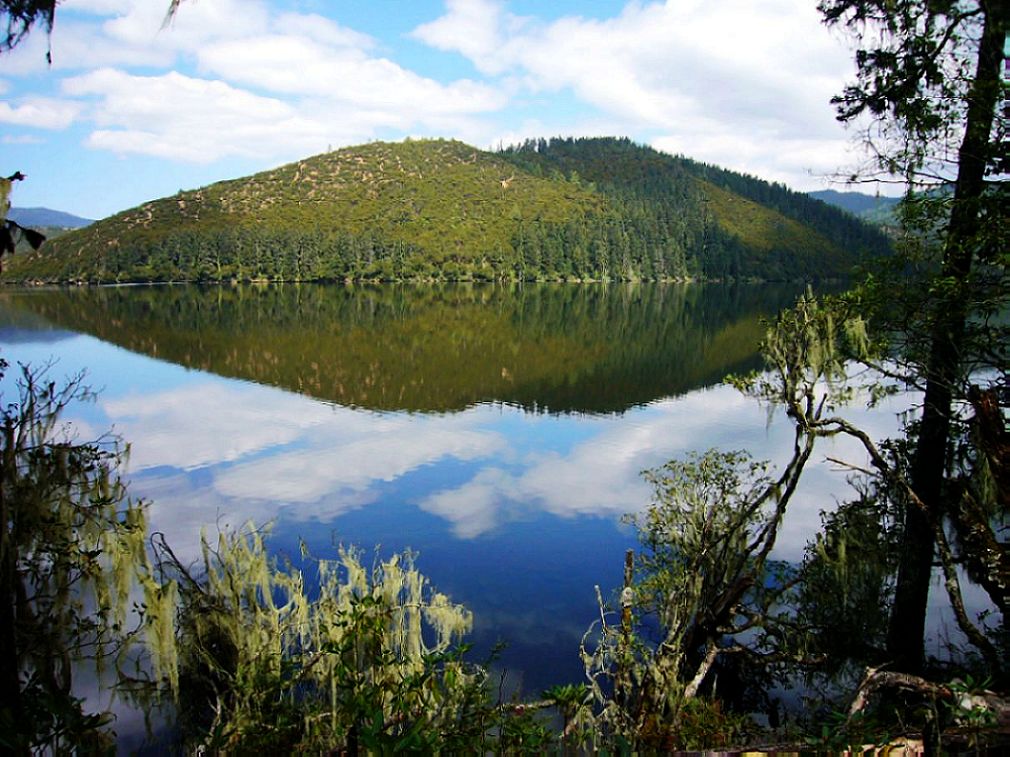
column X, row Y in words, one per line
column 559, row 209
column 33, row 217
column 873, row 209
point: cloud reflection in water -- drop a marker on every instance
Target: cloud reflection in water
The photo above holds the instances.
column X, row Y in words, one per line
column 224, row 448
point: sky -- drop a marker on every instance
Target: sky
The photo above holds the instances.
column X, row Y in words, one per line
column 132, row 109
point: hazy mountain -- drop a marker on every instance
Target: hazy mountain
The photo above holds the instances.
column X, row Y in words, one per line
column 874, row 209
column 36, row 217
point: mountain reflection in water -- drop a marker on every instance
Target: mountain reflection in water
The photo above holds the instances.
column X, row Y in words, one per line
column 591, row 348
column 498, row 431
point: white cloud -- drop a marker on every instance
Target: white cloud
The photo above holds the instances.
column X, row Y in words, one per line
column 471, row 27
column 195, row 25
column 712, row 79
column 183, row 118
column 260, row 450
column 132, row 33
column 40, row 112
column 784, row 160
column 322, row 30
column 601, row 476
column 273, row 87
column 344, row 76
column 181, row 505
column 740, row 83
column 99, row 7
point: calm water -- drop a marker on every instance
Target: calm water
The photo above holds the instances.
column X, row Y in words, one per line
column 499, row 432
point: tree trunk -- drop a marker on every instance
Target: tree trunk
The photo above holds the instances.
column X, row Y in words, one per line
column 10, row 682
column 905, row 641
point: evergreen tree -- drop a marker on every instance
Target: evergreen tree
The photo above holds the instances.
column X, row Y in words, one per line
column 928, row 84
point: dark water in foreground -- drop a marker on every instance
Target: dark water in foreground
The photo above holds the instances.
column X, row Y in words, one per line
column 499, row 432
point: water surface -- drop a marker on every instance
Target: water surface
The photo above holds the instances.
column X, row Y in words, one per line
column 498, row 431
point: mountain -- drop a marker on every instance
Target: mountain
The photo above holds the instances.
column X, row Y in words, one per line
column 563, row 209
column 39, row 217
column 873, row 209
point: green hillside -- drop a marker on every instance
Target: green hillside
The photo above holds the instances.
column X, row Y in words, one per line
column 442, row 210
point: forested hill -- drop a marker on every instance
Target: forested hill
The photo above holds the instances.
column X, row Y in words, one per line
column 562, row 209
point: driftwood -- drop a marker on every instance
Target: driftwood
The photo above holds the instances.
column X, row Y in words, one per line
column 876, row 680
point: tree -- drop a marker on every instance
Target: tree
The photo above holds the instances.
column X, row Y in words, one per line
column 21, row 16
column 11, row 232
column 704, row 577
column 69, row 541
column 928, row 80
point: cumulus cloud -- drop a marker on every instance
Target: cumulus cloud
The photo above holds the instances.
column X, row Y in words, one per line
column 40, row 112
column 601, row 475
column 182, row 505
column 267, row 85
column 738, row 83
column 475, row 28
column 297, row 65
column 225, row 448
column 184, row 118
column 273, row 446
column 99, row 7
column 322, row 30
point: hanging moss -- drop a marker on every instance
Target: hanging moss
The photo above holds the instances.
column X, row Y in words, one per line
column 70, row 546
column 258, row 660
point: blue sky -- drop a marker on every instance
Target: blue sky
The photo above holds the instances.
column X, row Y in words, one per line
column 131, row 110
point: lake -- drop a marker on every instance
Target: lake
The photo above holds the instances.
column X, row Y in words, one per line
column 498, row 431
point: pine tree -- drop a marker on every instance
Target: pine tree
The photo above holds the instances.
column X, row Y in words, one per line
column 928, row 86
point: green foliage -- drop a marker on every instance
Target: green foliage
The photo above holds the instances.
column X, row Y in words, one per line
column 930, row 95
column 370, row 661
column 840, row 732
column 697, row 533
column 70, row 542
column 971, row 712
column 440, row 210
column 776, row 243
column 705, row 725
column 914, row 68
column 249, row 656
column 525, row 730
column 703, row 220
column 705, row 581
column 806, row 351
